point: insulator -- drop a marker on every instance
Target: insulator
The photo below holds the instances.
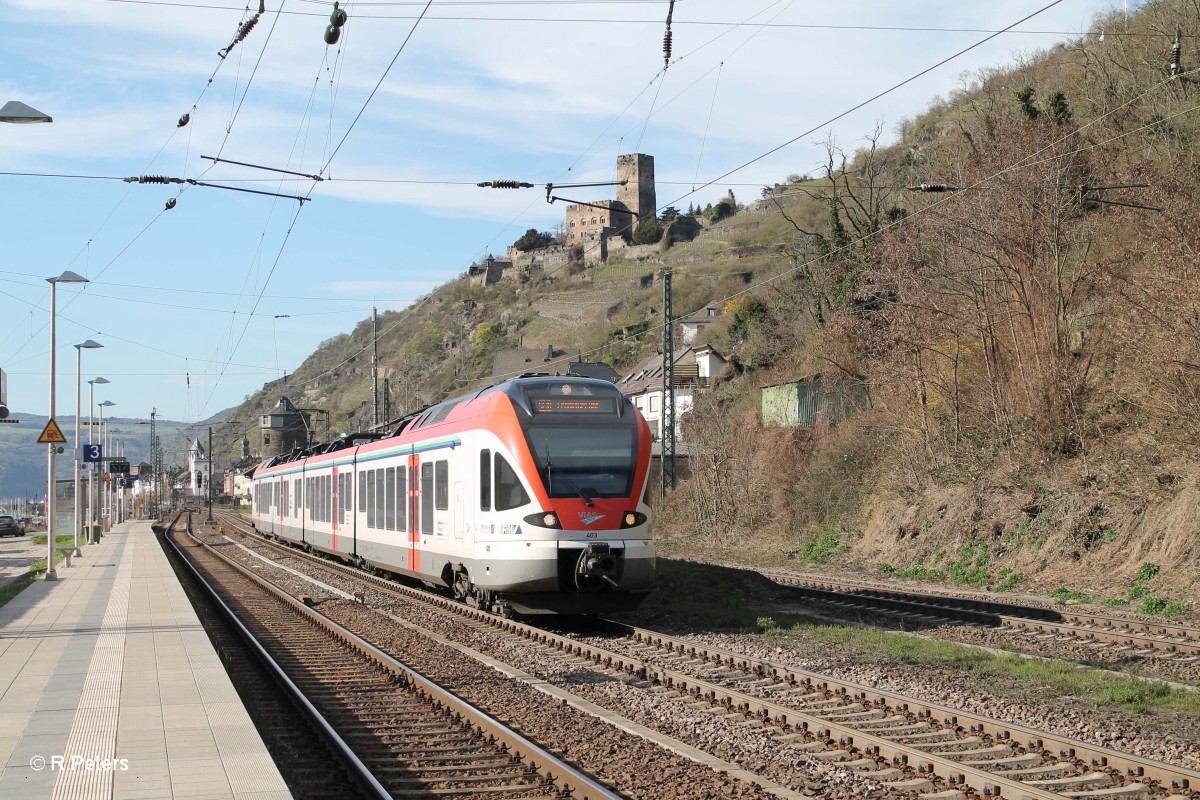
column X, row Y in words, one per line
column 338, row 18
column 506, row 185
column 667, row 46
column 184, row 120
column 245, row 28
column 1176, row 51
column 933, row 187
column 332, row 34
column 170, row 203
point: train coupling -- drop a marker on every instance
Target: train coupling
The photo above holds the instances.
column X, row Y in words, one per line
column 597, row 561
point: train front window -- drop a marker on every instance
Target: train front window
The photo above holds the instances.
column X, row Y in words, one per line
column 593, row 462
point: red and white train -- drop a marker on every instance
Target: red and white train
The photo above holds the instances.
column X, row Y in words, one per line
column 528, row 496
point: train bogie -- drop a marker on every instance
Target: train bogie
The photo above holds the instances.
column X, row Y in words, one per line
column 524, row 496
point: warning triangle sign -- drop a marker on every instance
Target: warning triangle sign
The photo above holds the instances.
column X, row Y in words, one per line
column 52, row 434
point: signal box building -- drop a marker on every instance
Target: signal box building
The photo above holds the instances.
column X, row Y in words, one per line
column 283, row 429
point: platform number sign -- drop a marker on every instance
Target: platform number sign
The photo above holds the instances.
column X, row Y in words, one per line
column 93, row 454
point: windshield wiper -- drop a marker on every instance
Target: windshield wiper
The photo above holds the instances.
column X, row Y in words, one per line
column 574, row 487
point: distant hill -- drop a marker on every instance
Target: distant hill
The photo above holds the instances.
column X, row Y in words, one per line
column 23, row 460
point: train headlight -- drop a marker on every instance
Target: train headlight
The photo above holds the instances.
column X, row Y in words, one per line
column 632, row 519
column 544, row 519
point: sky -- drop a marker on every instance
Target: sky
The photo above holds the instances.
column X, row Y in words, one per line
column 198, row 305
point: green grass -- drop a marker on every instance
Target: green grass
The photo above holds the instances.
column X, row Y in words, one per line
column 724, row 598
column 1062, row 594
column 1025, row 676
column 60, row 539
column 14, row 587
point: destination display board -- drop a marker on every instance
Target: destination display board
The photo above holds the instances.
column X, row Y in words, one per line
column 546, row 404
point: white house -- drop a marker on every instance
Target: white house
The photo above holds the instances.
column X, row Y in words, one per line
column 694, row 369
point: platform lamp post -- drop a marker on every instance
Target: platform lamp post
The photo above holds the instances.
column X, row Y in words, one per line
column 52, row 448
column 16, row 111
column 93, row 496
column 79, row 348
column 101, row 495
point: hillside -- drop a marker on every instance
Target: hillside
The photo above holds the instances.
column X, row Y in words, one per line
column 1027, row 340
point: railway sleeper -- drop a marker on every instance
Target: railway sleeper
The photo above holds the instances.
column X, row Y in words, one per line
column 1133, row 790
column 919, row 785
column 981, row 755
column 1092, row 780
column 1022, row 761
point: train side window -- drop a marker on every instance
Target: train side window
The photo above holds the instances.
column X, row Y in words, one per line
column 427, row 499
column 370, row 495
column 509, row 491
column 362, row 491
column 485, row 480
column 441, row 492
column 401, row 498
column 344, row 495
column 308, row 495
column 389, row 509
column 328, row 498
column 380, row 498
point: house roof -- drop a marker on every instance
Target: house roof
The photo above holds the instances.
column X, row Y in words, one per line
column 648, row 371
column 593, row 369
column 508, row 363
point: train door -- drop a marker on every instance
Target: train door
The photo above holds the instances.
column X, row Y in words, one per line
column 414, row 520
column 335, row 506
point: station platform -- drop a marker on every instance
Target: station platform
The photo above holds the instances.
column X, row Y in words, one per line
column 110, row 688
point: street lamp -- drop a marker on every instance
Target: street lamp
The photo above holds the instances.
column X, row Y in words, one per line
column 101, row 495
column 16, row 111
column 79, row 348
column 52, row 447
column 93, row 493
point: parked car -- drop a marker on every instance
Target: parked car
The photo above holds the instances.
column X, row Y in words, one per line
column 10, row 527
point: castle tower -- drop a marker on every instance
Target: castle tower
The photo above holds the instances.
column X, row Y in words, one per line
column 637, row 195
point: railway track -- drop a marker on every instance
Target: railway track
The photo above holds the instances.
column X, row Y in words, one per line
column 399, row 733
column 294, row 742
column 1177, row 642
column 906, row 744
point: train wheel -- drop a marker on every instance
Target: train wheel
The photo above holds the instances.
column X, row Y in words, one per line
column 462, row 586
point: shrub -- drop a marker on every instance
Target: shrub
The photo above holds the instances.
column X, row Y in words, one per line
column 1173, row 610
column 648, row 231
column 1147, row 571
column 532, row 240
column 1152, row 605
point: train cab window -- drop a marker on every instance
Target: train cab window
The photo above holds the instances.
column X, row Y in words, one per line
column 441, row 491
column 370, row 495
column 362, row 491
column 485, row 480
column 427, row 499
column 509, row 491
column 380, row 498
column 389, row 508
